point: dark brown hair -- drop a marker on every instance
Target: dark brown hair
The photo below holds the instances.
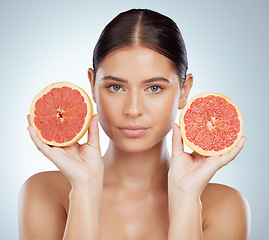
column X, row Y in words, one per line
column 146, row 28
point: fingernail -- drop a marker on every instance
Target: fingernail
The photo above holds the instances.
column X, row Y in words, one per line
column 97, row 116
column 173, row 127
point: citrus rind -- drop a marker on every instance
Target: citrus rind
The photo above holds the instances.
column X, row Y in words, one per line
column 199, row 149
column 88, row 117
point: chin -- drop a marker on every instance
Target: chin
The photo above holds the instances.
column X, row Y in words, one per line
column 136, row 145
column 132, row 146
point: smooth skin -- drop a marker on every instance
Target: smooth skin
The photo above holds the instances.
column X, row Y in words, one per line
column 136, row 190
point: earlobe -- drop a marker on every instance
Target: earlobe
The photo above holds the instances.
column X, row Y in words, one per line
column 91, row 79
column 184, row 93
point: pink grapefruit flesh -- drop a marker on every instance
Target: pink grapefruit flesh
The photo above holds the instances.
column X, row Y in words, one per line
column 61, row 113
column 211, row 124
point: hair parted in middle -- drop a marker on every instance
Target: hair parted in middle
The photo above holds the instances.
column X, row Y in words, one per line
column 147, row 28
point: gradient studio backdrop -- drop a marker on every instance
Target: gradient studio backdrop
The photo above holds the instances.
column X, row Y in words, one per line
column 46, row 41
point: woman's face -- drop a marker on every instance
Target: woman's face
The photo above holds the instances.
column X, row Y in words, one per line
column 137, row 94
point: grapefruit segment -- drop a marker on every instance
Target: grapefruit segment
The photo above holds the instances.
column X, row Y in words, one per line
column 61, row 114
column 211, row 124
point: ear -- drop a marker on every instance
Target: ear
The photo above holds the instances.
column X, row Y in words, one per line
column 91, row 79
column 184, row 93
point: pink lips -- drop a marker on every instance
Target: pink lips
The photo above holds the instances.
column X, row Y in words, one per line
column 133, row 131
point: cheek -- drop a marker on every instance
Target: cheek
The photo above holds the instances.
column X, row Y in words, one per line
column 104, row 109
column 164, row 110
column 108, row 111
column 162, row 114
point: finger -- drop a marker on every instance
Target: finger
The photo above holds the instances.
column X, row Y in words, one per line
column 228, row 157
column 197, row 155
column 42, row 147
column 177, row 142
column 93, row 133
column 28, row 118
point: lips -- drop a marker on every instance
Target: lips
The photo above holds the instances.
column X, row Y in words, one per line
column 133, row 131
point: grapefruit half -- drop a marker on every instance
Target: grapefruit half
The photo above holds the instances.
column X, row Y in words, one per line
column 61, row 114
column 211, row 124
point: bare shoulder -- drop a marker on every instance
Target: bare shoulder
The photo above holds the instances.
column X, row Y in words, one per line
column 47, row 178
column 42, row 205
column 226, row 213
column 51, row 185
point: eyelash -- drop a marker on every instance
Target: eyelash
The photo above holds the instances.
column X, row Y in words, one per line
column 109, row 87
column 113, row 85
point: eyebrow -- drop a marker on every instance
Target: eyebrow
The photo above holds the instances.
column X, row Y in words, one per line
column 150, row 80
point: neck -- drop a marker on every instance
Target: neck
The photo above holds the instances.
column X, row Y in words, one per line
column 139, row 170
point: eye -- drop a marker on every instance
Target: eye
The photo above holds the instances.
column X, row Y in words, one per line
column 115, row 88
column 155, row 89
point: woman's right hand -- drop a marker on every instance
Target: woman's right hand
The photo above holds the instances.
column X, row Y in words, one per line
column 81, row 164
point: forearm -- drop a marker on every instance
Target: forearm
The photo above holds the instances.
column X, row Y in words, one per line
column 184, row 217
column 83, row 220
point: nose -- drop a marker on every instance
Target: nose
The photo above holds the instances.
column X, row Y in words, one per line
column 133, row 106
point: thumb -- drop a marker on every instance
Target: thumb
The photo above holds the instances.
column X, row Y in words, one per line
column 177, row 142
column 93, row 133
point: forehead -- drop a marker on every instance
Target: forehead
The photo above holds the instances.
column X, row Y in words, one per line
column 136, row 63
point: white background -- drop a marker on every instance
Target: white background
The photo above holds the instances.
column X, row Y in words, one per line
column 46, row 41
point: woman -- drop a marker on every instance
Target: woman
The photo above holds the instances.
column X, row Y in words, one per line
column 136, row 190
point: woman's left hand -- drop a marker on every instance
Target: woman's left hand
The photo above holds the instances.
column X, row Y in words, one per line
column 190, row 173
